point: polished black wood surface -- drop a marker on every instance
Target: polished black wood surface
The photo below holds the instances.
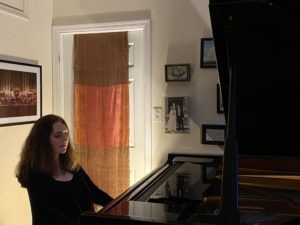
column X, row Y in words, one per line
column 157, row 199
column 267, row 196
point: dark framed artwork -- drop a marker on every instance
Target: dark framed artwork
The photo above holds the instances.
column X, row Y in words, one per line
column 20, row 93
column 220, row 107
column 213, row 134
column 176, row 115
column 208, row 54
column 177, row 72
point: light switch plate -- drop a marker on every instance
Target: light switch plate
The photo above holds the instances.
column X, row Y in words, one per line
column 158, row 114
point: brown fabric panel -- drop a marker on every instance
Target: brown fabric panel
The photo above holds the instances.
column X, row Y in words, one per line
column 106, row 128
column 101, row 59
column 109, row 164
column 101, row 108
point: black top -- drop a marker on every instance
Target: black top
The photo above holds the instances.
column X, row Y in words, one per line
column 61, row 202
column 258, row 43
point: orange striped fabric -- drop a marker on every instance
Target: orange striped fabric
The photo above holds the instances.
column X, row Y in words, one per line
column 101, row 108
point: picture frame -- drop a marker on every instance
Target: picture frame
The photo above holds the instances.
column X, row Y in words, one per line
column 207, row 53
column 20, row 93
column 213, row 134
column 177, row 72
column 176, row 115
column 220, row 106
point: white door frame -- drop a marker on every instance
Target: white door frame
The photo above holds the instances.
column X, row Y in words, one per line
column 58, row 80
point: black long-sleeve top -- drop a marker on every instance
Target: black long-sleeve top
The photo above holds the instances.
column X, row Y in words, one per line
column 61, row 202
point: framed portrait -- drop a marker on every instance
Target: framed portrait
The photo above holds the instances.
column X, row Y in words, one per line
column 176, row 115
column 208, row 54
column 220, row 107
column 213, row 134
column 20, row 93
column 177, row 72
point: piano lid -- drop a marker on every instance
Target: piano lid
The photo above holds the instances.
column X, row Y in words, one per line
column 259, row 41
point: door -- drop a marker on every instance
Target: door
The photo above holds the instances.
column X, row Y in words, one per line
column 140, row 117
column 136, row 95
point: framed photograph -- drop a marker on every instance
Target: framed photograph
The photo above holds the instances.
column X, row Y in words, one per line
column 208, row 54
column 220, row 107
column 213, row 134
column 20, row 93
column 176, row 115
column 177, row 72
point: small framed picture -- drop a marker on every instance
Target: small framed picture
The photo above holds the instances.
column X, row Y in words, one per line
column 220, row 107
column 20, row 93
column 177, row 72
column 208, row 54
column 213, row 134
column 176, row 115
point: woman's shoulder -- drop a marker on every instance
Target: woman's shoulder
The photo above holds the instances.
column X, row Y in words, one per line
column 80, row 171
column 36, row 173
column 35, row 176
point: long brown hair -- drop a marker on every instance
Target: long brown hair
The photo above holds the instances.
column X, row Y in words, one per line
column 37, row 151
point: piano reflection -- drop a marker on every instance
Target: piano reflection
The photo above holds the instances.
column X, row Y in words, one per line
column 257, row 180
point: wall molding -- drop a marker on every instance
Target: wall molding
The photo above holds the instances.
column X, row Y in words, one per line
column 18, row 8
column 58, row 81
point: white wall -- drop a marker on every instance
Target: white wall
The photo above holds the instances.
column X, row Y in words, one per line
column 27, row 40
column 176, row 29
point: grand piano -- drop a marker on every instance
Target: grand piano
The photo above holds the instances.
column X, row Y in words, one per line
column 257, row 180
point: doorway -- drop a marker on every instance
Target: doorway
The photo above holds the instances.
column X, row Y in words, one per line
column 139, row 84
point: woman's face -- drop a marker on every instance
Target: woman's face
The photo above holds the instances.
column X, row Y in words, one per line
column 59, row 138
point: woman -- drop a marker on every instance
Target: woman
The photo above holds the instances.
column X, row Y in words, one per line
column 59, row 189
column 171, row 124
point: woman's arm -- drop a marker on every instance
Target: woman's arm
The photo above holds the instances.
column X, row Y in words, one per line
column 99, row 196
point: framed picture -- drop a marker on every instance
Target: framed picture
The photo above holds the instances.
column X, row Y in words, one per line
column 176, row 115
column 208, row 54
column 177, row 72
column 213, row 134
column 20, row 93
column 220, row 107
